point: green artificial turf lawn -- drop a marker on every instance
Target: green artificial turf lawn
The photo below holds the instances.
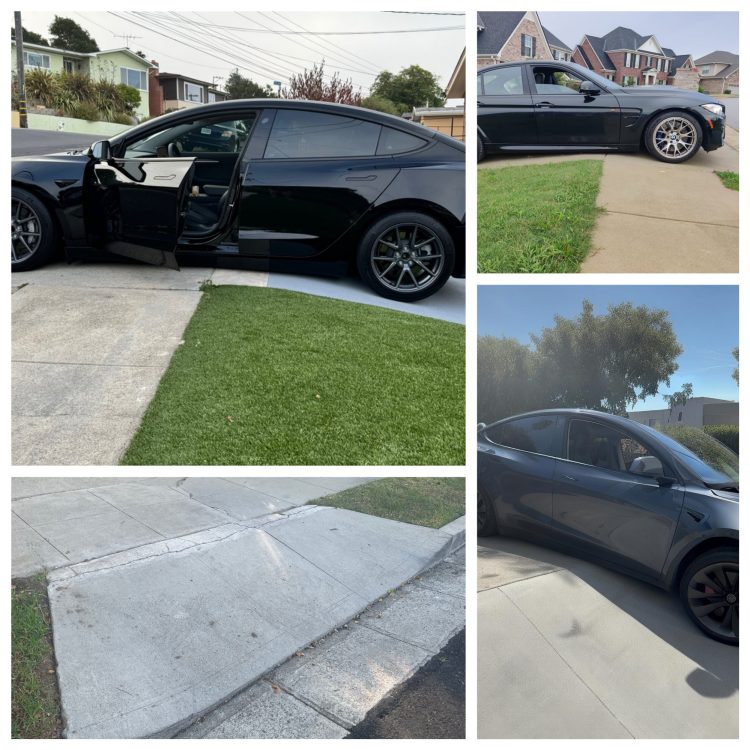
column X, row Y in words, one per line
column 425, row 501
column 537, row 218
column 271, row 377
column 35, row 701
column 730, row 180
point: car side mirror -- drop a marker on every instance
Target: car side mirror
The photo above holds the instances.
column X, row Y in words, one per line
column 663, row 481
column 588, row 89
column 101, row 150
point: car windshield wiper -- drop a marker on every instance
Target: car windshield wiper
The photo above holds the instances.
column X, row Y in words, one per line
column 725, row 486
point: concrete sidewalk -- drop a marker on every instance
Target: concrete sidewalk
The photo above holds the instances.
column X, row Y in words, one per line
column 567, row 649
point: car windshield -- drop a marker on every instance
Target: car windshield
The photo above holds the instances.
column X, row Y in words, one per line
column 600, row 80
column 711, row 460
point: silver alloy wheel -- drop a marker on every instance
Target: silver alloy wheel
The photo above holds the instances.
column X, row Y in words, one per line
column 407, row 257
column 25, row 231
column 713, row 594
column 674, row 137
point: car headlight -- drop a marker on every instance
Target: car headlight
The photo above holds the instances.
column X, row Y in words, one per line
column 717, row 109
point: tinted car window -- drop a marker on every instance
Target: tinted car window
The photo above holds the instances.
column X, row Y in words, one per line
column 503, row 82
column 226, row 136
column 549, row 80
column 533, row 434
column 712, row 461
column 597, row 445
column 299, row 134
column 394, row 141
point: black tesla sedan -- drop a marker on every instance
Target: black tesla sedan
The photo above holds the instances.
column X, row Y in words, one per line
column 625, row 495
column 559, row 106
column 277, row 185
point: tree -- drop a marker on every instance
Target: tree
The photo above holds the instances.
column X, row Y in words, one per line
column 411, row 87
column 311, row 85
column 239, row 87
column 65, row 33
column 678, row 398
column 30, row 37
column 381, row 105
column 736, row 371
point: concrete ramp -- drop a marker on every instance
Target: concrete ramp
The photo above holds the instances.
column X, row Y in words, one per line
column 149, row 638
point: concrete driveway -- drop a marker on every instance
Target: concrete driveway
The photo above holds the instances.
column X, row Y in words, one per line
column 567, row 649
column 657, row 217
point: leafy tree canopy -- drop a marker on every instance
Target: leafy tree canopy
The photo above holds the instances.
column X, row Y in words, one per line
column 311, row 84
column 29, row 36
column 411, row 87
column 679, row 398
column 239, row 87
column 606, row 362
column 736, row 371
column 381, row 104
column 65, row 33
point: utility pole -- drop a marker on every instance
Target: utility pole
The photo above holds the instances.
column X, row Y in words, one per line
column 21, row 75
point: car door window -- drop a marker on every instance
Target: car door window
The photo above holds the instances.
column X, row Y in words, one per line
column 532, row 434
column 598, row 445
column 503, row 82
column 299, row 134
column 551, row 80
column 394, row 141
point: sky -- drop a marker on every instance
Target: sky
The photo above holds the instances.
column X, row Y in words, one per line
column 705, row 320
column 695, row 33
column 268, row 56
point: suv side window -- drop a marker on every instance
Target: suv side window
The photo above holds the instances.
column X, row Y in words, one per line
column 297, row 134
column 598, row 445
column 532, row 434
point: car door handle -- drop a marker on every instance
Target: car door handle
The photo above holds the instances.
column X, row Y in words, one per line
column 569, row 478
column 544, row 105
column 364, row 178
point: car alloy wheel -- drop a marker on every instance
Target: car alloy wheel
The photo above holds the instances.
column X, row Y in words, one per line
column 713, row 596
column 407, row 257
column 25, row 231
column 674, row 138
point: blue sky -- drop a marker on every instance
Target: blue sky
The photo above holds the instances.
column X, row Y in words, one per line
column 705, row 320
column 696, row 33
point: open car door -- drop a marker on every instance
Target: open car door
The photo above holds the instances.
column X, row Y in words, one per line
column 140, row 206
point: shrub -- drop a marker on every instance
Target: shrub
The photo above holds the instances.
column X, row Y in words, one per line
column 729, row 434
column 701, row 90
column 41, row 87
column 83, row 111
column 129, row 96
column 727, row 91
column 122, row 117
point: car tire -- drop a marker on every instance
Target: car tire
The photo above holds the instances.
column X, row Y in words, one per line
column 673, row 137
column 33, row 232
column 480, row 148
column 486, row 520
column 406, row 256
column 709, row 590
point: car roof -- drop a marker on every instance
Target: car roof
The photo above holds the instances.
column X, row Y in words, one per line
column 601, row 415
column 511, row 63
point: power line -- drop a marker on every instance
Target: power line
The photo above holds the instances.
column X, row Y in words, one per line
column 339, row 33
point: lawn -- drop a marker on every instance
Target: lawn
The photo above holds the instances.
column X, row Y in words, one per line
column 730, row 180
column 537, row 218
column 272, row 377
column 425, row 501
column 35, row 701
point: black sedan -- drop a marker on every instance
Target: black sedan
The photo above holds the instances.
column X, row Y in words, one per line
column 276, row 185
column 664, row 509
column 555, row 106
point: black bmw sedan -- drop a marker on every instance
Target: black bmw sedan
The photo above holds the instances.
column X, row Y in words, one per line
column 559, row 106
column 278, row 185
column 660, row 508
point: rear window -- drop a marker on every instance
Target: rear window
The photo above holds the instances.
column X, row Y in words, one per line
column 532, row 434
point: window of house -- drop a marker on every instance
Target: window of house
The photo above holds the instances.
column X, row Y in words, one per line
column 528, row 45
column 298, row 134
column 705, row 69
column 211, row 97
column 532, row 434
column 69, row 66
column 648, row 61
column 193, row 93
column 503, row 82
column 135, row 78
column 627, row 60
column 637, row 62
column 35, row 60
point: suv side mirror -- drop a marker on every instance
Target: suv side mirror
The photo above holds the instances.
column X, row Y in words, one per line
column 588, row 88
column 101, row 150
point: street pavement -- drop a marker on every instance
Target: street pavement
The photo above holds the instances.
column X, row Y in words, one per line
column 188, row 591
column 28, row 141
column 568, row 649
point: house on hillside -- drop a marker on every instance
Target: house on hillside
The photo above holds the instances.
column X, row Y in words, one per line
column 516, row 35
column 719, row 72
column 172, row 91
column 116, row 65
column 697, row 412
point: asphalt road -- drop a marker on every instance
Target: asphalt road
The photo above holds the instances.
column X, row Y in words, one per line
column 430, row 705
column 26, row 142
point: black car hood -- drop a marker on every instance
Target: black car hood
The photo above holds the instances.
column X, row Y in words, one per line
column 64, row 164
column 666, row 92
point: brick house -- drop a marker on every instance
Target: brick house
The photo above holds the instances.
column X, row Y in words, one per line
column 719, row 72
column 683, row 72
column 516, row 35
column 626, row 57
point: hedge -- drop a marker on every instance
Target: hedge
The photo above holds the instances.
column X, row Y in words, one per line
column 729, row 434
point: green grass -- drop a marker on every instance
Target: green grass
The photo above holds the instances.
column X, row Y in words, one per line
column 537, row 218
column 35, row 702
column 425, row 501
column 730, row 180
column 271, row 377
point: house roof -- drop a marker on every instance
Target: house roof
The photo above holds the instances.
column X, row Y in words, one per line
column 678, row 62
column 553, row 41
column 719, row 56
column 189, row 80
column 494, row 29
column 583, row 54
column 624, row 38
column 81, row 55
column 597, row 44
